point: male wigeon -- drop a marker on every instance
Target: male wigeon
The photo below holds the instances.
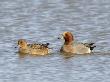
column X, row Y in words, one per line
column 37, row 49
column 70, row 46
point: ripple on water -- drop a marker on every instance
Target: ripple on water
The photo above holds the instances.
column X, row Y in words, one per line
column 43, row 21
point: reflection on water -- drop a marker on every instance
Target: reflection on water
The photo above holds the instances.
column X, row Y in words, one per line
column 21, row 55
column 43, row 21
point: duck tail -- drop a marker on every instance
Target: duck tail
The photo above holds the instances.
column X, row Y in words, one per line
column 92, row 47
column 91, row 44
column 45, row 45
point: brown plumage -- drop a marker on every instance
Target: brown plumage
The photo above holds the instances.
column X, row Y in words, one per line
column 70, row 46
column 38, row 49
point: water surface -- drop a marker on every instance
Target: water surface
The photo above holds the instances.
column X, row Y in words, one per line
column 43, row 21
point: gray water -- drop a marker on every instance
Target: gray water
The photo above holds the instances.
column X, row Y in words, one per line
column 42, row 21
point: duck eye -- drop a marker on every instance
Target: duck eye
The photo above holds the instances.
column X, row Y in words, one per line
column 21, row 42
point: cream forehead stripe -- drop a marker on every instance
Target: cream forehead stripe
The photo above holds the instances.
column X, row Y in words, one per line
column 64, row 33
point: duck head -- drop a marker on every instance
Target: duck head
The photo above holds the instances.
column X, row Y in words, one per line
column 22, row 43
column 68, row 37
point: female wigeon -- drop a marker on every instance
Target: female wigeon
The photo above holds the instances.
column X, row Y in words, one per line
column 70, row 46
column 37, row 49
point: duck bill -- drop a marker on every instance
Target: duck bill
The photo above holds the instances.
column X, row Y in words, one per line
column 61, row 37
column 16, row 46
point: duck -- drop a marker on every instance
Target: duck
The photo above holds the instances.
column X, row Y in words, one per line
column 70, row 46
column 35, row 49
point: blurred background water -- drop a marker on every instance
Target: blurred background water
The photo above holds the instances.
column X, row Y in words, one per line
column 43, row 21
